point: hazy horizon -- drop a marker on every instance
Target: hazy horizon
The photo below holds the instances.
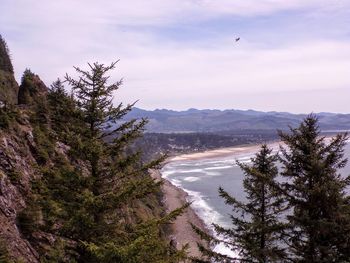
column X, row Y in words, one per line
column 292, row 56
column 235, row 109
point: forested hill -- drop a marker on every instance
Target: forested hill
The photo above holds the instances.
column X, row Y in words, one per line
column 65, row 194
column 217, row 121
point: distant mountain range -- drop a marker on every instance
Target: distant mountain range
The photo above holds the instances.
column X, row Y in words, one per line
column 214, row 121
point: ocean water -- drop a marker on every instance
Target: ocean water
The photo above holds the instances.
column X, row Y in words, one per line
column 201, row 179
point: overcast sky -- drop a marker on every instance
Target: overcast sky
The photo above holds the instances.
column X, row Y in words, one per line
column 293, row 55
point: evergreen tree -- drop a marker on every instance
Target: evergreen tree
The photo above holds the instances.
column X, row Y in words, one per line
column 95, row 196
column 5, row 60
column 101, row 218
column 256, row 228
column 315, row 191
column 65, row 118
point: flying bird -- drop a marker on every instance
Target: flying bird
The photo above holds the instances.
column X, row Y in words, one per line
column 237, row 39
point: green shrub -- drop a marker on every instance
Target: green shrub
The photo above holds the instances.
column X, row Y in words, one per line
column 44, row 146
column 4, row 255
column 8, row 115
column 28, row 220
column 15, row 176
column 4, row 120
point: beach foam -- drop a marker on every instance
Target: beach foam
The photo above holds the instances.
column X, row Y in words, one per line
column 208, row 215
column 218, row 167
column 191, row 179
column 202, row 208
column 190, row 171
column 167, row 173
column 203, row 183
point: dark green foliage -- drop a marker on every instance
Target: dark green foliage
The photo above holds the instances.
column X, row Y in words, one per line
column 40, row 116
column 8, row 89
column 32, row 90
column 319, row 223
column 45, row 147
column 116, row 179
column 5, row 60
column 144, row 245
column 8, row 115
column 27, row 88
column 28, row 219
column 4, row 119
column 8, row 84
column 14, row 176
column 4, row 255
column 258, row 233
column 89, row 198
column 156, row 143
column 255, row 232
column 66, row 118
column 315, row 226
column 40, row 119
column 94, row 97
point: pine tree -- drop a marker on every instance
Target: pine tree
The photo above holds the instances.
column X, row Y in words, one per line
column 255, row 232
column 315, row 191
column 95, row 196
column 102, row 219
column 8, row 84
column 5, row 60
column 65, row 115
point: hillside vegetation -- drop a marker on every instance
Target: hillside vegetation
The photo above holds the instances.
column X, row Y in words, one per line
column 66, row 195
column 231, row 121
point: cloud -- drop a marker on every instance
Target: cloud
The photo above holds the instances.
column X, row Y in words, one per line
column 181, row 54
column 197, row 76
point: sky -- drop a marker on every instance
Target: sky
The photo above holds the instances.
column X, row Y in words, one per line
column 293, row 55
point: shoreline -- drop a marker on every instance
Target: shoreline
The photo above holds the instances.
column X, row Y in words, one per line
column 228, row 151
column 175, row 197
column 223, row 152
column 182, row 233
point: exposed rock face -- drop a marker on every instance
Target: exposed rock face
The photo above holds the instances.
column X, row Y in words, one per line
column 17, row 163
column 32, row 89
column 16, row 172
column 28, row 144
column 8, row 84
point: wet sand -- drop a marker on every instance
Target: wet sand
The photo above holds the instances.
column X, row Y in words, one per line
column 175, row 197
column 181, row 228
column 222, row 152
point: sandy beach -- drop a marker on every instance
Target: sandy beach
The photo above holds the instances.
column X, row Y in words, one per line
column 181, row 228
column 222, row 152
column 176, row 197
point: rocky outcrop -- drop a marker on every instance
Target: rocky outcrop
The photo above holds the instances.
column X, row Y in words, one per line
column 32, row 89
column 29, row 147
column 8, row 84
column 16, row 172
column 17, row 163
column 5, row 60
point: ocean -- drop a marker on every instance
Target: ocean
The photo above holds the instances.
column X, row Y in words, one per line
column 201, row 178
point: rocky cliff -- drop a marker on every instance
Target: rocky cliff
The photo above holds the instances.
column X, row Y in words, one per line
column 8, row 84
column 16, row 172
column 29, row 147
column 16, row 164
